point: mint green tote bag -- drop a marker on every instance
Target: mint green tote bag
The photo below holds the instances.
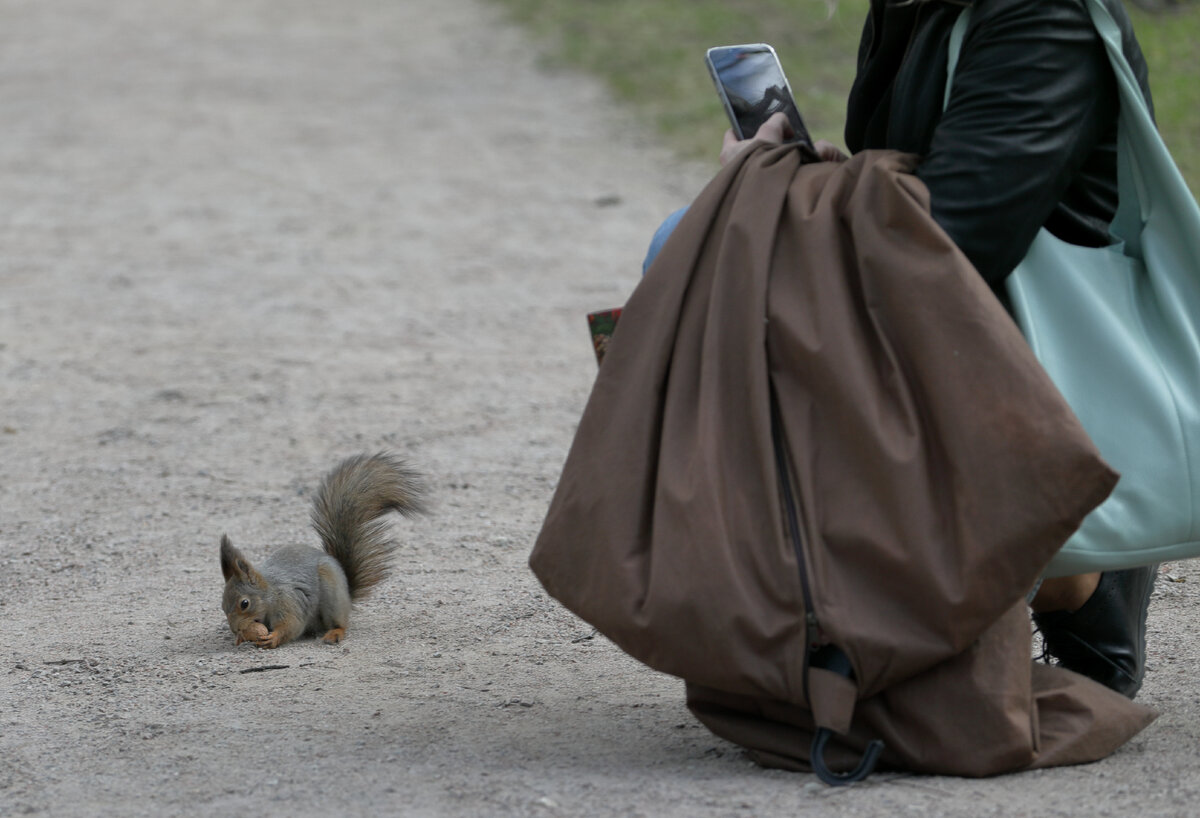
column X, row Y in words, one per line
column 1116, row 329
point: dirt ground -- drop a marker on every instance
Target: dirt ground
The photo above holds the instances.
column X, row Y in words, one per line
column 241, row 241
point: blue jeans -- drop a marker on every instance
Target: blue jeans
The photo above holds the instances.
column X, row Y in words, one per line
column 660, row 237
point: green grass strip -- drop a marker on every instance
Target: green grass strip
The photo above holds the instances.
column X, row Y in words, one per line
column 651, row 55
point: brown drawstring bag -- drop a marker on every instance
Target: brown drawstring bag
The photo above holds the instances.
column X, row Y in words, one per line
column 817, row 474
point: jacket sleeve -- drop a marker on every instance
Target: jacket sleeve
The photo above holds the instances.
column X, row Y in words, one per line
column 1032, row 96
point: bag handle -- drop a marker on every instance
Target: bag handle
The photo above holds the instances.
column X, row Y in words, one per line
column 1137, row 137
column 832, row 696
column 956, row 40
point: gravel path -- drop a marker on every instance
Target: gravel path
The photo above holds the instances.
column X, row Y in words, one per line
column 241, row 241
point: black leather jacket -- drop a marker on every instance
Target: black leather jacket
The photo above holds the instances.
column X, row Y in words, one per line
column 1029, row 138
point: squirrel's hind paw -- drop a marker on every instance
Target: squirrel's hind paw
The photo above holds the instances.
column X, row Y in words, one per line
column 333, row 636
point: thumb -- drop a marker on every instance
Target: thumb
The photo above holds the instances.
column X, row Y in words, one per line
column 777, row 129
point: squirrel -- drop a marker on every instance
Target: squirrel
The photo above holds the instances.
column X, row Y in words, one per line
column 300, row 590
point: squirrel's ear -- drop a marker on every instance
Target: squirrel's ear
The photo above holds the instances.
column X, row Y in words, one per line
column 233, row 564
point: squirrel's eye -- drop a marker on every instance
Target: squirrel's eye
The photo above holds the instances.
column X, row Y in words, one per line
column 245, row 604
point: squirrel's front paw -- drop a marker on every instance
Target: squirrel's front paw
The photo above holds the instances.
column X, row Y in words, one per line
column 271, row 640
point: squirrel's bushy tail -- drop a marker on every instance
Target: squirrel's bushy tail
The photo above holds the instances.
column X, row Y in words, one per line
column 347, row 508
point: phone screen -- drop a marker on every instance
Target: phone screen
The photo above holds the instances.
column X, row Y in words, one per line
column 753, row 87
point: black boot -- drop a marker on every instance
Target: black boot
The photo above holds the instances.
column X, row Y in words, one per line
column 1105, row 640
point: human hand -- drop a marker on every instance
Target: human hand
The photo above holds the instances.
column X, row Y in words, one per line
column 829, row 152
column 775, row 131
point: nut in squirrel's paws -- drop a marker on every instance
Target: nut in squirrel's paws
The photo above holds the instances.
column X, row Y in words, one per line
column 253, row 632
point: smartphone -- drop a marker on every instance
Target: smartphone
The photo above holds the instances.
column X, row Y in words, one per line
column 752, row 86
